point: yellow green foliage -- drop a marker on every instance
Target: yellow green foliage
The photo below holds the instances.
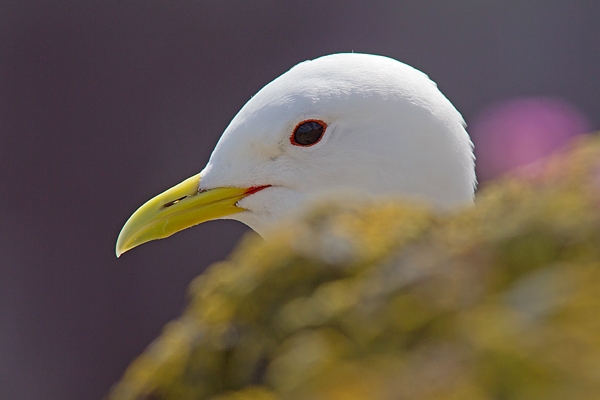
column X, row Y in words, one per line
column 387, row 300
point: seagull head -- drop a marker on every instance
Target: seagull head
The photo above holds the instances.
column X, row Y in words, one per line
column 343, row 121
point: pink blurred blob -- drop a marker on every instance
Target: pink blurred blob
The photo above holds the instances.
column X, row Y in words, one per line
column 517, row 132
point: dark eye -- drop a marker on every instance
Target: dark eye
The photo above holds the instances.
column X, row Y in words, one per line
column 308, row 132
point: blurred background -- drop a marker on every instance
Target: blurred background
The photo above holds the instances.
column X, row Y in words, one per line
column 104, row 104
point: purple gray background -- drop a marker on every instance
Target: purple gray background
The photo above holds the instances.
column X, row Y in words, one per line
column 104, row 104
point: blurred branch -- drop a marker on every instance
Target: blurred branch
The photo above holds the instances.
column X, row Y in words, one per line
column 386, row 300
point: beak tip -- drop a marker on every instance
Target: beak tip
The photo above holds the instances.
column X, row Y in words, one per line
column 120, row 247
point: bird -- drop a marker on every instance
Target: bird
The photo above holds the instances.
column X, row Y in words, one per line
column 341, row 121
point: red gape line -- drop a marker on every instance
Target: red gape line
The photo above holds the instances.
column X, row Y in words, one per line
column 254, row 189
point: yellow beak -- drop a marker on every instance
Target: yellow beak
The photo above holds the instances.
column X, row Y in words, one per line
column 179, row 208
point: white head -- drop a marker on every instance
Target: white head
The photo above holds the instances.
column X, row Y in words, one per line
column 386, row 129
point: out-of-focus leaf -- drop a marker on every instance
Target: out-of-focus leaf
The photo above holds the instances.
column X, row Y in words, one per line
column 385, row 300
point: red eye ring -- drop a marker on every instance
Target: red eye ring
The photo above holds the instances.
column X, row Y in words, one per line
column 308, row 133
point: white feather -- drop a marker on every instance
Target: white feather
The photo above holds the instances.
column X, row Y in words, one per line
column 389, row 130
